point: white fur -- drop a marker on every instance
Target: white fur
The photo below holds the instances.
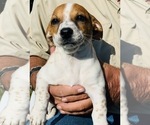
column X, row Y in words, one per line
column 4, row 101
column 17, row 105
column 67, row 12
column 124, row 107
column 80, row 66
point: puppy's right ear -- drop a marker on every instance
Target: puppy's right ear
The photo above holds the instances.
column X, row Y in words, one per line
column 97, row 28
column 49, row 37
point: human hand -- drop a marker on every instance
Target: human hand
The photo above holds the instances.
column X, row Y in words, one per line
column 71, row 99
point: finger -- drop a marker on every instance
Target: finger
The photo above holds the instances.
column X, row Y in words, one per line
column 74, row 98
column 88, row 111
column 75, row 106
column 65, row 90
column 68, row 99
column 57, row 100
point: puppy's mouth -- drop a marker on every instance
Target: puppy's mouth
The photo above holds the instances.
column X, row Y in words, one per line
column 69, row 45
column 69, row 39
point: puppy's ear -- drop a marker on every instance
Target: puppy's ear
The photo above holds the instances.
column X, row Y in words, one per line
column 49, row 37
column 97, row 28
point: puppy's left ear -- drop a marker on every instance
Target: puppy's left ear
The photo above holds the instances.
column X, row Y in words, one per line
column 97, row 28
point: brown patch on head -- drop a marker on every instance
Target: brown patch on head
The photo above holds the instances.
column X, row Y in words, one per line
column 97, row 28
column 82, row 19
column 86, row 22
column 56, row 19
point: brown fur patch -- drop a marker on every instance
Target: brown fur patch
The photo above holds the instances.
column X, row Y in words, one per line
column 86, row 26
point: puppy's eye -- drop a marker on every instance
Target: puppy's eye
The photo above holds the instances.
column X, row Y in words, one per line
column 81, row 18
column 54, row 21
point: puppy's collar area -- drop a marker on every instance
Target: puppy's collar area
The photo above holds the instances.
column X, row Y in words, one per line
column 73, row 47
column 84, row 51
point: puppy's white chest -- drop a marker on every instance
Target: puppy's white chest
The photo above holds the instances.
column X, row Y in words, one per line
column 68, row 71
column 65, row 69
column 62, row 70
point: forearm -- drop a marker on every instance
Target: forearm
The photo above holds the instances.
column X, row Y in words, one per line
column 138, row 81
column 8, row 64
column 35, row 61
column 112, row 77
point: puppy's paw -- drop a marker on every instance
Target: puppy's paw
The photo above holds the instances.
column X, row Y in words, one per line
column 105, row 123
column 37, row 117
column 100, row 122
column 11, row 116
column 125, row 122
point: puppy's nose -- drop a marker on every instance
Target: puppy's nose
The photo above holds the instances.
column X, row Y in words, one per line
column 66, row 33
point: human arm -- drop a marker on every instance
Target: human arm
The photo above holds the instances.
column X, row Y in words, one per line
column 8, row 62
column 35, row 61
column 138, row 81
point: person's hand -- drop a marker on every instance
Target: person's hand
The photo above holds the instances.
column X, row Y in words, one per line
column 71, row 99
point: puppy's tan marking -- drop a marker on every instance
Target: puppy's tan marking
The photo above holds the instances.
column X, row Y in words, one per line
column 82, row 18
column 53, row 29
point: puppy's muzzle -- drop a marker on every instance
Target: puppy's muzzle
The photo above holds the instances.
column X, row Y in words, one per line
column 66, row 33
column 69, row 41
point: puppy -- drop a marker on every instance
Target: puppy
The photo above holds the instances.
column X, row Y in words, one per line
column 74, row 61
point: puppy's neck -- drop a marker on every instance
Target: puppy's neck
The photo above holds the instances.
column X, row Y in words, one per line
column 85, row 51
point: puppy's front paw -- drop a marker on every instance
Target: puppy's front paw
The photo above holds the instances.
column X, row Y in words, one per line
column 100, row 122
column 125, row 122
column 37, row 117
column 11, row 116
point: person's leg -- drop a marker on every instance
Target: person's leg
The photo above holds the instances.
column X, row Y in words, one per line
column 60, row 119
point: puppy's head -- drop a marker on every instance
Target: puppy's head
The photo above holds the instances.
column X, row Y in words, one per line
column 70, row 26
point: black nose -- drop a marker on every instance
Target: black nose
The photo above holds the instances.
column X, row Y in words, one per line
column 66, row 33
